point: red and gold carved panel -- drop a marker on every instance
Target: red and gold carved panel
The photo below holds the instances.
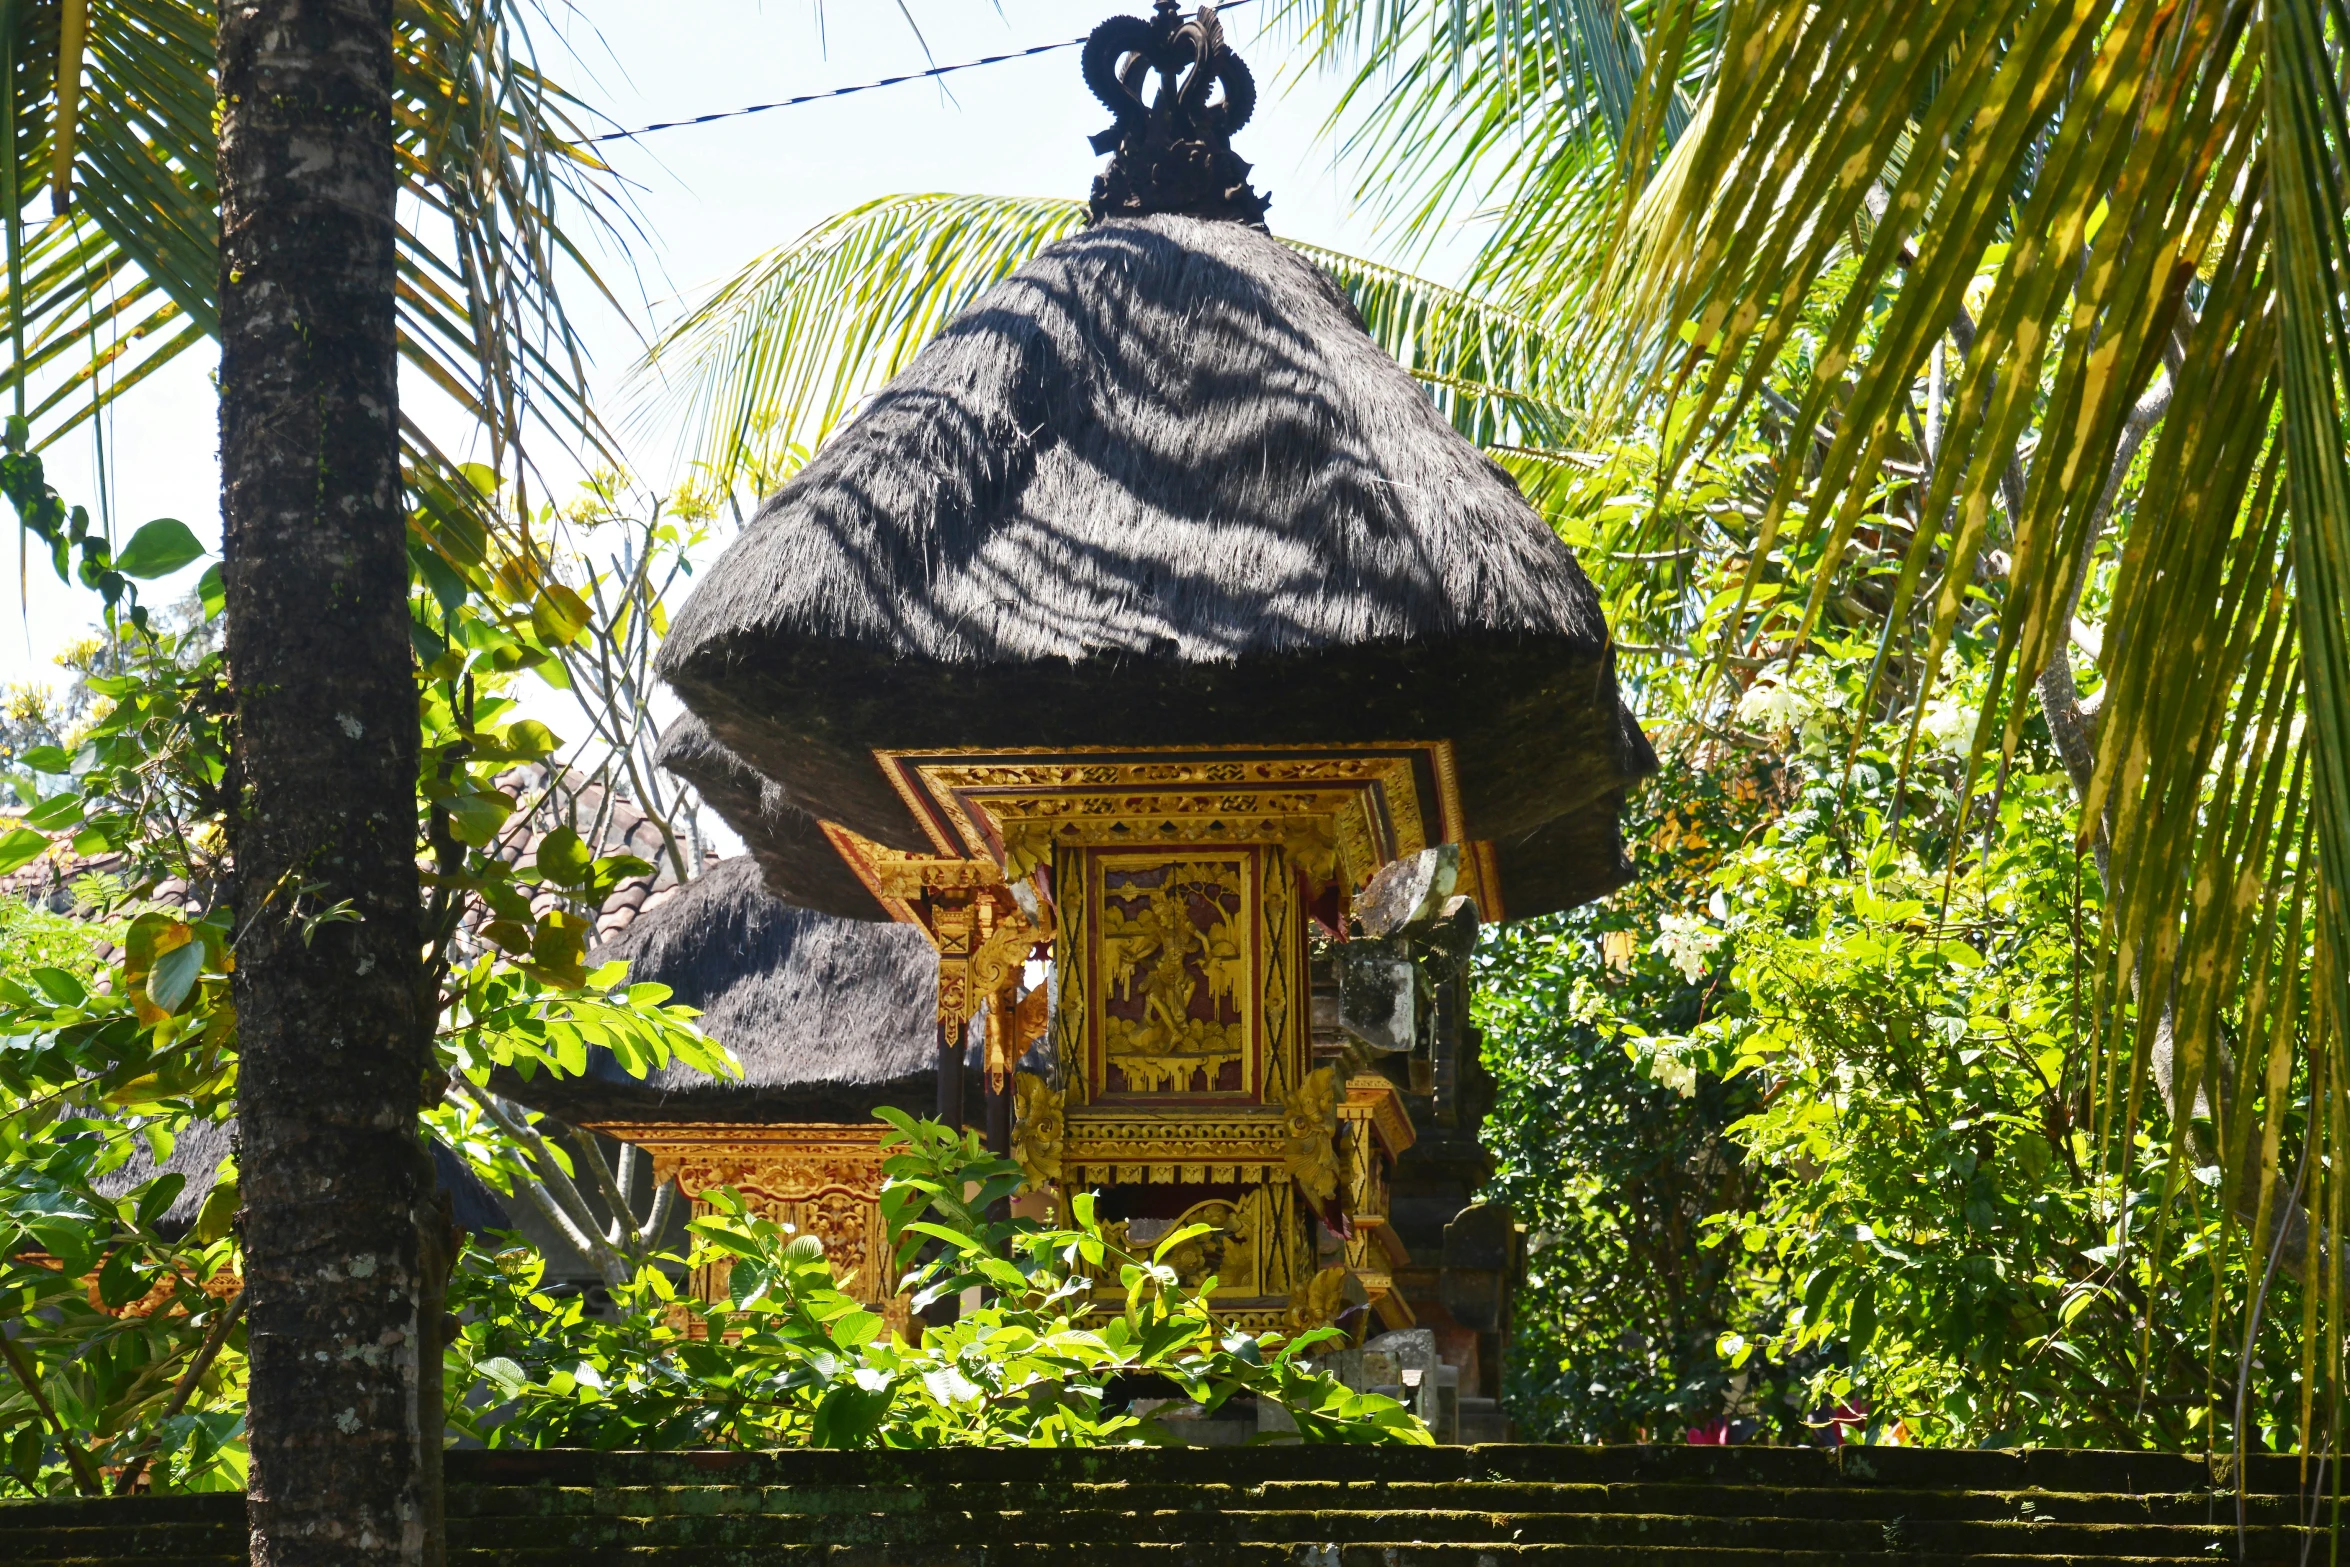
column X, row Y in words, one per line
column 1175, row 994
column 823, row 1180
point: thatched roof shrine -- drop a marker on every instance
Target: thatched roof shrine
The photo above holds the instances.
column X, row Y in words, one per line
column 1157, row 488
column 829, row 1017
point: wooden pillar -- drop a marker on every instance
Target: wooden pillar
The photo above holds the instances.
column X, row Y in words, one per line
column 950, row 1075
column 999, row 1120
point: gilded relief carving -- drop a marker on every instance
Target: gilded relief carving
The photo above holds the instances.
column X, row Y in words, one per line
column 1174, row 973
column 1327, row 835
column 1227, row 1252
column 824, row 1180
column 1316, row 1302
column 1179, row 890
column 1340, row 809
column 1169, row 1149
column 1283, row 1050
column 1310, row 1122
column 1038, row 1129
column 1069, row 973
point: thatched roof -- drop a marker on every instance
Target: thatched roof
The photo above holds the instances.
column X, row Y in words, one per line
column 199, row 1148
column 799, row 862
column 1156, row 488
column 830, row 1017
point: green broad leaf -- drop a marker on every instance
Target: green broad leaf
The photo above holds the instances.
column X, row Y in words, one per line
column 1176, row 1237
column 159, row 1195
column 440, row 578
column 61, row 987
column 558, row 614
column 158, row 549
column 530, row 739
column 563, row 859
column 50, row 759
column 120, row 1282
column 849, row 1414
column 218, row 1215
column 56, row 813
column 504, row 1374
column 610, row 871
column 1863, row 1326
column 70, row 1238
column 212, row 593
column 20, row 848
column 174, row 975
column 476, row 818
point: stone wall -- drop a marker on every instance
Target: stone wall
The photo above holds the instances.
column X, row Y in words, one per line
column 1306, row 1506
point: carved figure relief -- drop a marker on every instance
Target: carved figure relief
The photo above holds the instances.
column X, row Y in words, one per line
column 1310, row 1113
column 1228, row 1251
column 1316, row 1302
column 1038, row 1129
column 823, row 1180
column 1175, row 976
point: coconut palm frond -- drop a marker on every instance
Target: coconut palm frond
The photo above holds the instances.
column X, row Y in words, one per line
column 122, row 272
column 2102, row 211
column 777, row 355
column 1453, row 110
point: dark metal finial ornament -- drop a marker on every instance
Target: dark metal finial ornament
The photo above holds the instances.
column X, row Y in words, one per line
column 1171, row 151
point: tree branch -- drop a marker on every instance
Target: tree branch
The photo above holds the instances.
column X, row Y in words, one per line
column 623, row 1218
column 85, row 1474
column 185, row 1388
column 553, row 1193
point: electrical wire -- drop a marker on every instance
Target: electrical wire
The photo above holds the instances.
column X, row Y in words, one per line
column 843, row 92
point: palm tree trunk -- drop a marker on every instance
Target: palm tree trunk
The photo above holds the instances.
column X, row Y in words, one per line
column 333, row 1032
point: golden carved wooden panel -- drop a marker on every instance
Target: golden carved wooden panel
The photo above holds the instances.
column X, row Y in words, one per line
column 821, row 1178
column 1175, row 998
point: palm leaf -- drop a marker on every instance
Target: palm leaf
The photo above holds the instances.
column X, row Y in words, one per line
column 126, row 276
column 2075, row 198
column 1455, row 109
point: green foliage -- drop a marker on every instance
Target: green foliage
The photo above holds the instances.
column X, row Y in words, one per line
column 1835, row 1148
column 101, row 1058
column 788, row 1360
column 1616, row 1171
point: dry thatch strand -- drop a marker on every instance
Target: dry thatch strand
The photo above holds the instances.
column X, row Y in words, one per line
column 1160, row 488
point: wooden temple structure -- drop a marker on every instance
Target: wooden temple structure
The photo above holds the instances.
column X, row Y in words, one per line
column 1152, row 669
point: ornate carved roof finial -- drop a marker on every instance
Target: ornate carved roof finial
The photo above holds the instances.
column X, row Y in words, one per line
column 1172, row 151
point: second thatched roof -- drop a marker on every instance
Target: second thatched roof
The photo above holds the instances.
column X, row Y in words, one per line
column 1160, row 488
column 829, row 1017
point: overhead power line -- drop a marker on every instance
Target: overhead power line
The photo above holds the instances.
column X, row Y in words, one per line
column 843, row 92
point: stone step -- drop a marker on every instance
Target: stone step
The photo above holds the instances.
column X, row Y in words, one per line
column 1365, row 1554
column 1492, row 1506
column 1510, row 1496
column 1302, row 1528
column 1898, row 1468
column 178, row 1541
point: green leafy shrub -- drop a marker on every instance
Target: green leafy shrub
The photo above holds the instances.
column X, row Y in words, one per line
column 788, row 1360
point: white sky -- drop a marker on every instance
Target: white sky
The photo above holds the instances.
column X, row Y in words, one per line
column 711, row 197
